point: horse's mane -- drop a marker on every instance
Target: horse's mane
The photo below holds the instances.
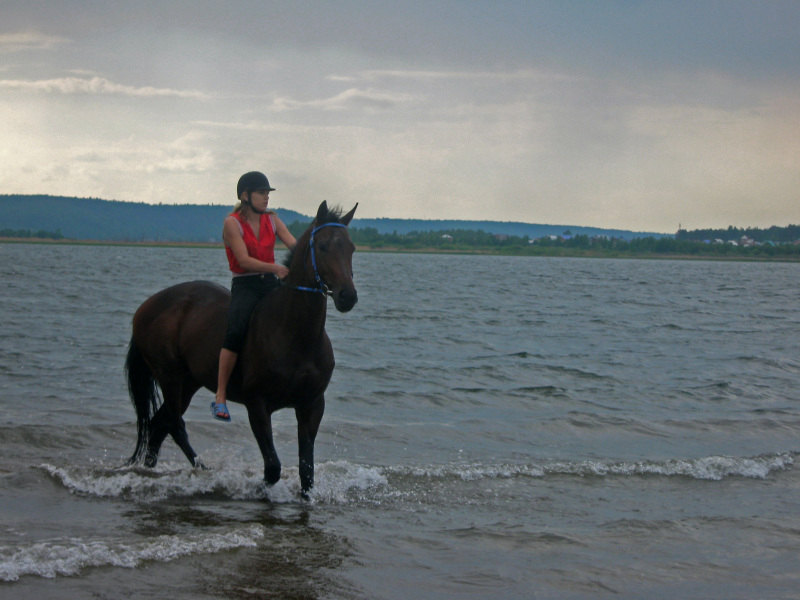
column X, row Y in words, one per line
column 330, row 215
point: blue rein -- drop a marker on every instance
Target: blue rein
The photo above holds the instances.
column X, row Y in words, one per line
column 322, row 287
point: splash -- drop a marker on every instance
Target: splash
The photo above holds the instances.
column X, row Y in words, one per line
column 341, row 482
column 336, row 482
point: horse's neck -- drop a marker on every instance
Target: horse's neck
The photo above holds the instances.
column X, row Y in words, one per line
column 303, row 305
column 300, row 275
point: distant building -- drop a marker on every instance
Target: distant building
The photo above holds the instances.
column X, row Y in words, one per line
column 746, row 241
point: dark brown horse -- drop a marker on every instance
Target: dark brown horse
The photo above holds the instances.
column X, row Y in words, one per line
column 286, row 361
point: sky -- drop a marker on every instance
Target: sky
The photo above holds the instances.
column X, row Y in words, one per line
column 641, row 115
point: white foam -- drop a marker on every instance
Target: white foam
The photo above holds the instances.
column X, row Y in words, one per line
column 705, row 468
column 70, row 556
column 713, row 468
column 472, row 472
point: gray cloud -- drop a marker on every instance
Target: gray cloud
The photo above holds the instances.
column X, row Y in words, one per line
column 95, row 85
column 28, row 40
column 349, row 98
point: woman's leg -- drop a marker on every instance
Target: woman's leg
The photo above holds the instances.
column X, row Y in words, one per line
column 245, row 294
column 227, row 360
column 243, row 298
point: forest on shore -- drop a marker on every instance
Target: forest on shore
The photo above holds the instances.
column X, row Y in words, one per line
column 728, row 243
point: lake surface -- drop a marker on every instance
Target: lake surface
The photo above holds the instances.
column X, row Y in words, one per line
column 496, row 427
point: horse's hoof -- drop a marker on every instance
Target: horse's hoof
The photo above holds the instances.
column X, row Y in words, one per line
column 198, row 464
column 150, row 460
column 272, row 475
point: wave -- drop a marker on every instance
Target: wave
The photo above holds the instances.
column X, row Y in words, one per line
column 342, row 482
column 70, row 556
column 713, row 468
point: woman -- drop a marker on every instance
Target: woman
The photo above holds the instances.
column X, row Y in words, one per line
column 249, row 234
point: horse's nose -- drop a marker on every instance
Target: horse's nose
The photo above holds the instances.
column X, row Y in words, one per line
column 346, row 299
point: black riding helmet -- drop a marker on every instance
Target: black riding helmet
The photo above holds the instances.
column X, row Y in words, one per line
column 252, row 181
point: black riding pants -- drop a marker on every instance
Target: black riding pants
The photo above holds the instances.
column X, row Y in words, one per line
column 246, row 291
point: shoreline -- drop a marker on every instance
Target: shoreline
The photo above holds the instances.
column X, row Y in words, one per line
column 556, row 253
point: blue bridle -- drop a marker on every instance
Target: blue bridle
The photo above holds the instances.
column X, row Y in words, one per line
column 322, row 287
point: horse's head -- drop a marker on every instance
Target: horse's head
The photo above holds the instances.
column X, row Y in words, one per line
column 327, row 257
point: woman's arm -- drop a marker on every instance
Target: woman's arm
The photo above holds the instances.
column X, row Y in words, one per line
column 284, row 234
column 232, row 236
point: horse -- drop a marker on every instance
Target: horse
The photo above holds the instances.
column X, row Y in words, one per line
column 286, row 361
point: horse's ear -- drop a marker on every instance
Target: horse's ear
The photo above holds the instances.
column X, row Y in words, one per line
column 345, row 220
column 322, row 211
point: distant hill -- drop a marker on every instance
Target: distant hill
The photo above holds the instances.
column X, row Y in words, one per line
column 532, row 231
column 111, row 220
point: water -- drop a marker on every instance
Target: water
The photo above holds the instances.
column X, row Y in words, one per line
column 495, row 428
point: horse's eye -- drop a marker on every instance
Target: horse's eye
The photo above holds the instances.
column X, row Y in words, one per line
column 323, row 247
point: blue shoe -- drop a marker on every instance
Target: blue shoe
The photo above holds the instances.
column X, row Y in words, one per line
column 220, row 412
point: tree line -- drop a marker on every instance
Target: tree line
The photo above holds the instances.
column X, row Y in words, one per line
column 41, row 234
column 458, row 240
column 780, row 235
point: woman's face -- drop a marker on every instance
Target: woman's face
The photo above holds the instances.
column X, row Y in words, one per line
column 260, row 199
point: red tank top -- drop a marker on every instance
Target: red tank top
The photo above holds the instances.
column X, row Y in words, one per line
column 261, row 247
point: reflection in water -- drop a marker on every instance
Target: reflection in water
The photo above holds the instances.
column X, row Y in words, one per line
column 294, row 559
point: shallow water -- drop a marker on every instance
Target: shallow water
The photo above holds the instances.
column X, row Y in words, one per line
column 495, row 428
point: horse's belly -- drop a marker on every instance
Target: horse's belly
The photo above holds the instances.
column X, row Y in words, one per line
column 289, row 387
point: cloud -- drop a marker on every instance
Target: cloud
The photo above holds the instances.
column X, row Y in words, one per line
column 350, row 98
column 187, row 154
column 28, row 40
column 499, row 76
column 95, row 85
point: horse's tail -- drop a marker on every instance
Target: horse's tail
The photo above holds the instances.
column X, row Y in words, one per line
column 144, row 395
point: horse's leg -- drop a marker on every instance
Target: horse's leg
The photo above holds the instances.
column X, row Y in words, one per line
column 184, row 391
column 178, row 433
column 159, row 429
column 168, row 420
column 261, row 424
column 308, row 420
